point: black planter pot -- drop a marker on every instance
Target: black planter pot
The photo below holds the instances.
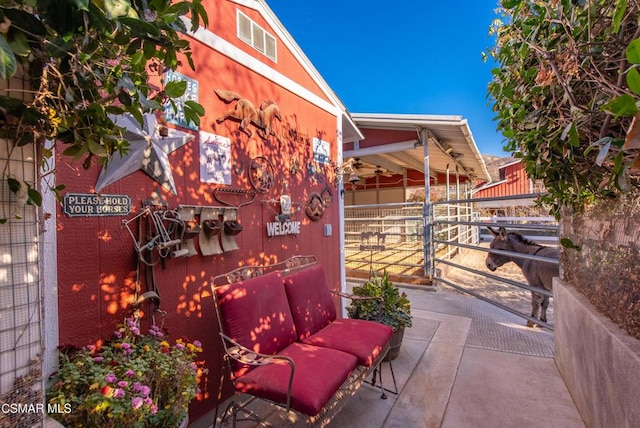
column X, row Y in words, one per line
column 396, row 342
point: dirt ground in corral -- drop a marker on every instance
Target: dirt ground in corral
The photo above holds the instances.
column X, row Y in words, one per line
column 504, row 293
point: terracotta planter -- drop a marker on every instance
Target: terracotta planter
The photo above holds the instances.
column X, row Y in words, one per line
column 396, row 342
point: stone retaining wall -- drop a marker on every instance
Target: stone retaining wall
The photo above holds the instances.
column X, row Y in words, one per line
column 598, row 361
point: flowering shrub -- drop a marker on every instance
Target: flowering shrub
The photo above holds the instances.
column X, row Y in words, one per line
column 133, row 381
column 566, row 93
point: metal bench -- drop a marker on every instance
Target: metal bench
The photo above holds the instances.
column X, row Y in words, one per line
column 285, row 344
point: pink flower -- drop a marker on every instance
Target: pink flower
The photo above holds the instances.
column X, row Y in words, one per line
column 117, row 334
column 148, row 401
column 98, row 359
column 137, row 387
column 197, row 344
column 125, row 345
column 130, row 373
column 118, row 393
column 154, row 409
column 136, row 403
column 135, row 331
column 145, row 390
column 123, row 384
column 155, row 331
column 110, row 378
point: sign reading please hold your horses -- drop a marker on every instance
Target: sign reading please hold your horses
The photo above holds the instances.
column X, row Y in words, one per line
column 92, row 205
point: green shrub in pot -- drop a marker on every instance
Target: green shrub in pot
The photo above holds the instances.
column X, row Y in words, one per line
column 391, row 307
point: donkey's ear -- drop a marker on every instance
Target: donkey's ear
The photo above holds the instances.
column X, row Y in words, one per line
column 503, row 232
column 493, row 232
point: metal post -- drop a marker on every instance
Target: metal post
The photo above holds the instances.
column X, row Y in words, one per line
column 423, row 134
column 341, row 222
column 448, row 212
column 458, row 234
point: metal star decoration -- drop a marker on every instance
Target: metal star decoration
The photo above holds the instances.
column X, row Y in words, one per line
column 148, row 151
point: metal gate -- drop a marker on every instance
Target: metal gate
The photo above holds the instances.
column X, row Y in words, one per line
column 385, row 237
column 454, row 244
column 460, row 264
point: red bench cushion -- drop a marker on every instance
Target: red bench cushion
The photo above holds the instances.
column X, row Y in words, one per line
column 362, row 338
column 319, row 372
column 255, row 313
column 310, row 300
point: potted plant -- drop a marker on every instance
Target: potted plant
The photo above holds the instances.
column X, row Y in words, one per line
column 134, row 380
column 388, row 306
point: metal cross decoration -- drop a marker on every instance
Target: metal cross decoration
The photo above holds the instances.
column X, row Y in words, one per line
column 148, row 151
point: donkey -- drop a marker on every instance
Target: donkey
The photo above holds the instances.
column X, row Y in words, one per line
column 537, row 273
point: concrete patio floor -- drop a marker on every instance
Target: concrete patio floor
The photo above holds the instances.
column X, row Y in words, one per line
column 464, row 363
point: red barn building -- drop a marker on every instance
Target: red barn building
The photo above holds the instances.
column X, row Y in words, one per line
column 398, row 151
column 511, row 179
column 234, row 173
column 85, row 254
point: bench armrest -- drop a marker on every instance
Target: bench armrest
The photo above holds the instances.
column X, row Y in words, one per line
column 244, row 355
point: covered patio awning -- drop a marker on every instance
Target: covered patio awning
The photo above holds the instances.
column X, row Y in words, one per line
column 394, row 143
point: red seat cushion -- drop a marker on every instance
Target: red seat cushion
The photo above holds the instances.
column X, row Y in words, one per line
column 310, row 300
column 319, row 372
column 255, row 313
column 362, row 338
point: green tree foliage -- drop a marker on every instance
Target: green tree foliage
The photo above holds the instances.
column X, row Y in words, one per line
column 85, row 60
column 565, row 93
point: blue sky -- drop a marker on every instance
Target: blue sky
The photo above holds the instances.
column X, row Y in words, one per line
column 418, row 57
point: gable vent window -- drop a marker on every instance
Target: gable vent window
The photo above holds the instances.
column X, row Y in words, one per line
column 503, row 174
column 254, row 35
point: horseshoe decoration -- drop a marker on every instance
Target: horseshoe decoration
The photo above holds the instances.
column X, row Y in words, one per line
column 262, row 174
column 327, row 196
column 314, row 208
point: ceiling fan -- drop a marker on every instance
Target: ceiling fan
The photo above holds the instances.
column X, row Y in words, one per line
column 365, row 169
column 383, row 172
column 356, row 164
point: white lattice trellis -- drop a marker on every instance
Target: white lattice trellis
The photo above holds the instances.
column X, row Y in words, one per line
column 20, row 299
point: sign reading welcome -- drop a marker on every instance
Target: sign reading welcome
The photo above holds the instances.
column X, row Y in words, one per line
column 92, row 205
column 277, row 228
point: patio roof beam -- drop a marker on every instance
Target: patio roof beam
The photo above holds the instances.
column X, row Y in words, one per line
column 383, row 162
column 386, row 148
column 407, row 159
column 467, row 172
column 405, row 121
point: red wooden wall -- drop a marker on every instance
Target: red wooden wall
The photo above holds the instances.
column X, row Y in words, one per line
column 516, row 182
column 96, row 256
